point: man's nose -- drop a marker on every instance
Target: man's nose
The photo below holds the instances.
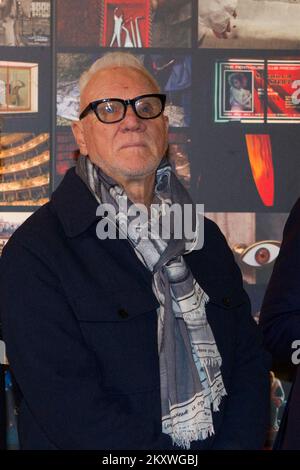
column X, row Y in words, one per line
column 131, row 121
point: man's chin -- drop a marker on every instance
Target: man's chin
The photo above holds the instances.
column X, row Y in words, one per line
column 138, row 172
column 140, row 167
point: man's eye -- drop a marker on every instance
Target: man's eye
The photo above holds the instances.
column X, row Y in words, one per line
column 146, row 108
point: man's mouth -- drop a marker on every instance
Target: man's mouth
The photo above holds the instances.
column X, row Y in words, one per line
column 137, row 144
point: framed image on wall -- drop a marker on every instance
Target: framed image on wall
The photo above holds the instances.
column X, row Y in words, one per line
column 25, row 23
column 24, row 169
column 239, row 91
column 18, row 87
column 126, row 23
column 284, row 91
column 249, row 24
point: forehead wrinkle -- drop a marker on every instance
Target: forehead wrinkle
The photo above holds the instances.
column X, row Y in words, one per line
column 91, row 92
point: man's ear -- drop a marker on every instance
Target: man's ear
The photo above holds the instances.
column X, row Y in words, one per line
column 78, row 133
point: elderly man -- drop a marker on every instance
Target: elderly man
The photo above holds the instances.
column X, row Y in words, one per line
column 128, row 342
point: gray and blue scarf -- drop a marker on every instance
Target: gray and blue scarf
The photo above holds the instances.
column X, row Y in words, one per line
column 190, row 378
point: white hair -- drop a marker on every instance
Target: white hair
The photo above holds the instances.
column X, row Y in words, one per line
column 116, row 59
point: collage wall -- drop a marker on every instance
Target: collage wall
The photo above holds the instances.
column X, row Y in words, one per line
column 231, row 73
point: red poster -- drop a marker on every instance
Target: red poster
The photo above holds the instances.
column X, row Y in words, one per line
column 261, row 161
column 126, row 23
column 284, row 91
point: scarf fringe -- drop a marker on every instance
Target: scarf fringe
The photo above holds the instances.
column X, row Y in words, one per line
column 184, row 438
column 217, row 401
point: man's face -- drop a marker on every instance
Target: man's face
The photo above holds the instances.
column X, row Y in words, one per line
column 131, row 148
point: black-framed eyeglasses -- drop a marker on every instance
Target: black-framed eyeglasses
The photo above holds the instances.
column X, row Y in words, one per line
column 111, row 110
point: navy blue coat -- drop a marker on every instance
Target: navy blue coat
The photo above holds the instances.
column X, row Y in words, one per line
column 280, row 319
column 79, row 319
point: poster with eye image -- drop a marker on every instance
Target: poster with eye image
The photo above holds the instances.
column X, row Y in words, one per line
column 124, row 23
column 24, row 169
column 269, row 227
column 284, row 91
column 255, row 240
column 25, row 22
column 239, row 230
column 239, row 91
column 249, row 24
column 172, row 71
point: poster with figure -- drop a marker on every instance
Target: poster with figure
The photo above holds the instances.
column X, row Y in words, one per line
column 239, row 92
column 284, row 91
column 249, row 24
column 18, row 87
column 24, row 169
column 124, row 23
column 254, row 239
column 25, row 22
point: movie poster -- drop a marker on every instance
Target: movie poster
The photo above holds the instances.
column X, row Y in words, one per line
column 249, row 24
column 25, row 22
column 284, row 91
column 124, row 23
column 254, row 239
column 239, row 91
column 18, row 87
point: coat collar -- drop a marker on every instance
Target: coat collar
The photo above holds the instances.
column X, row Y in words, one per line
column 74, row 204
